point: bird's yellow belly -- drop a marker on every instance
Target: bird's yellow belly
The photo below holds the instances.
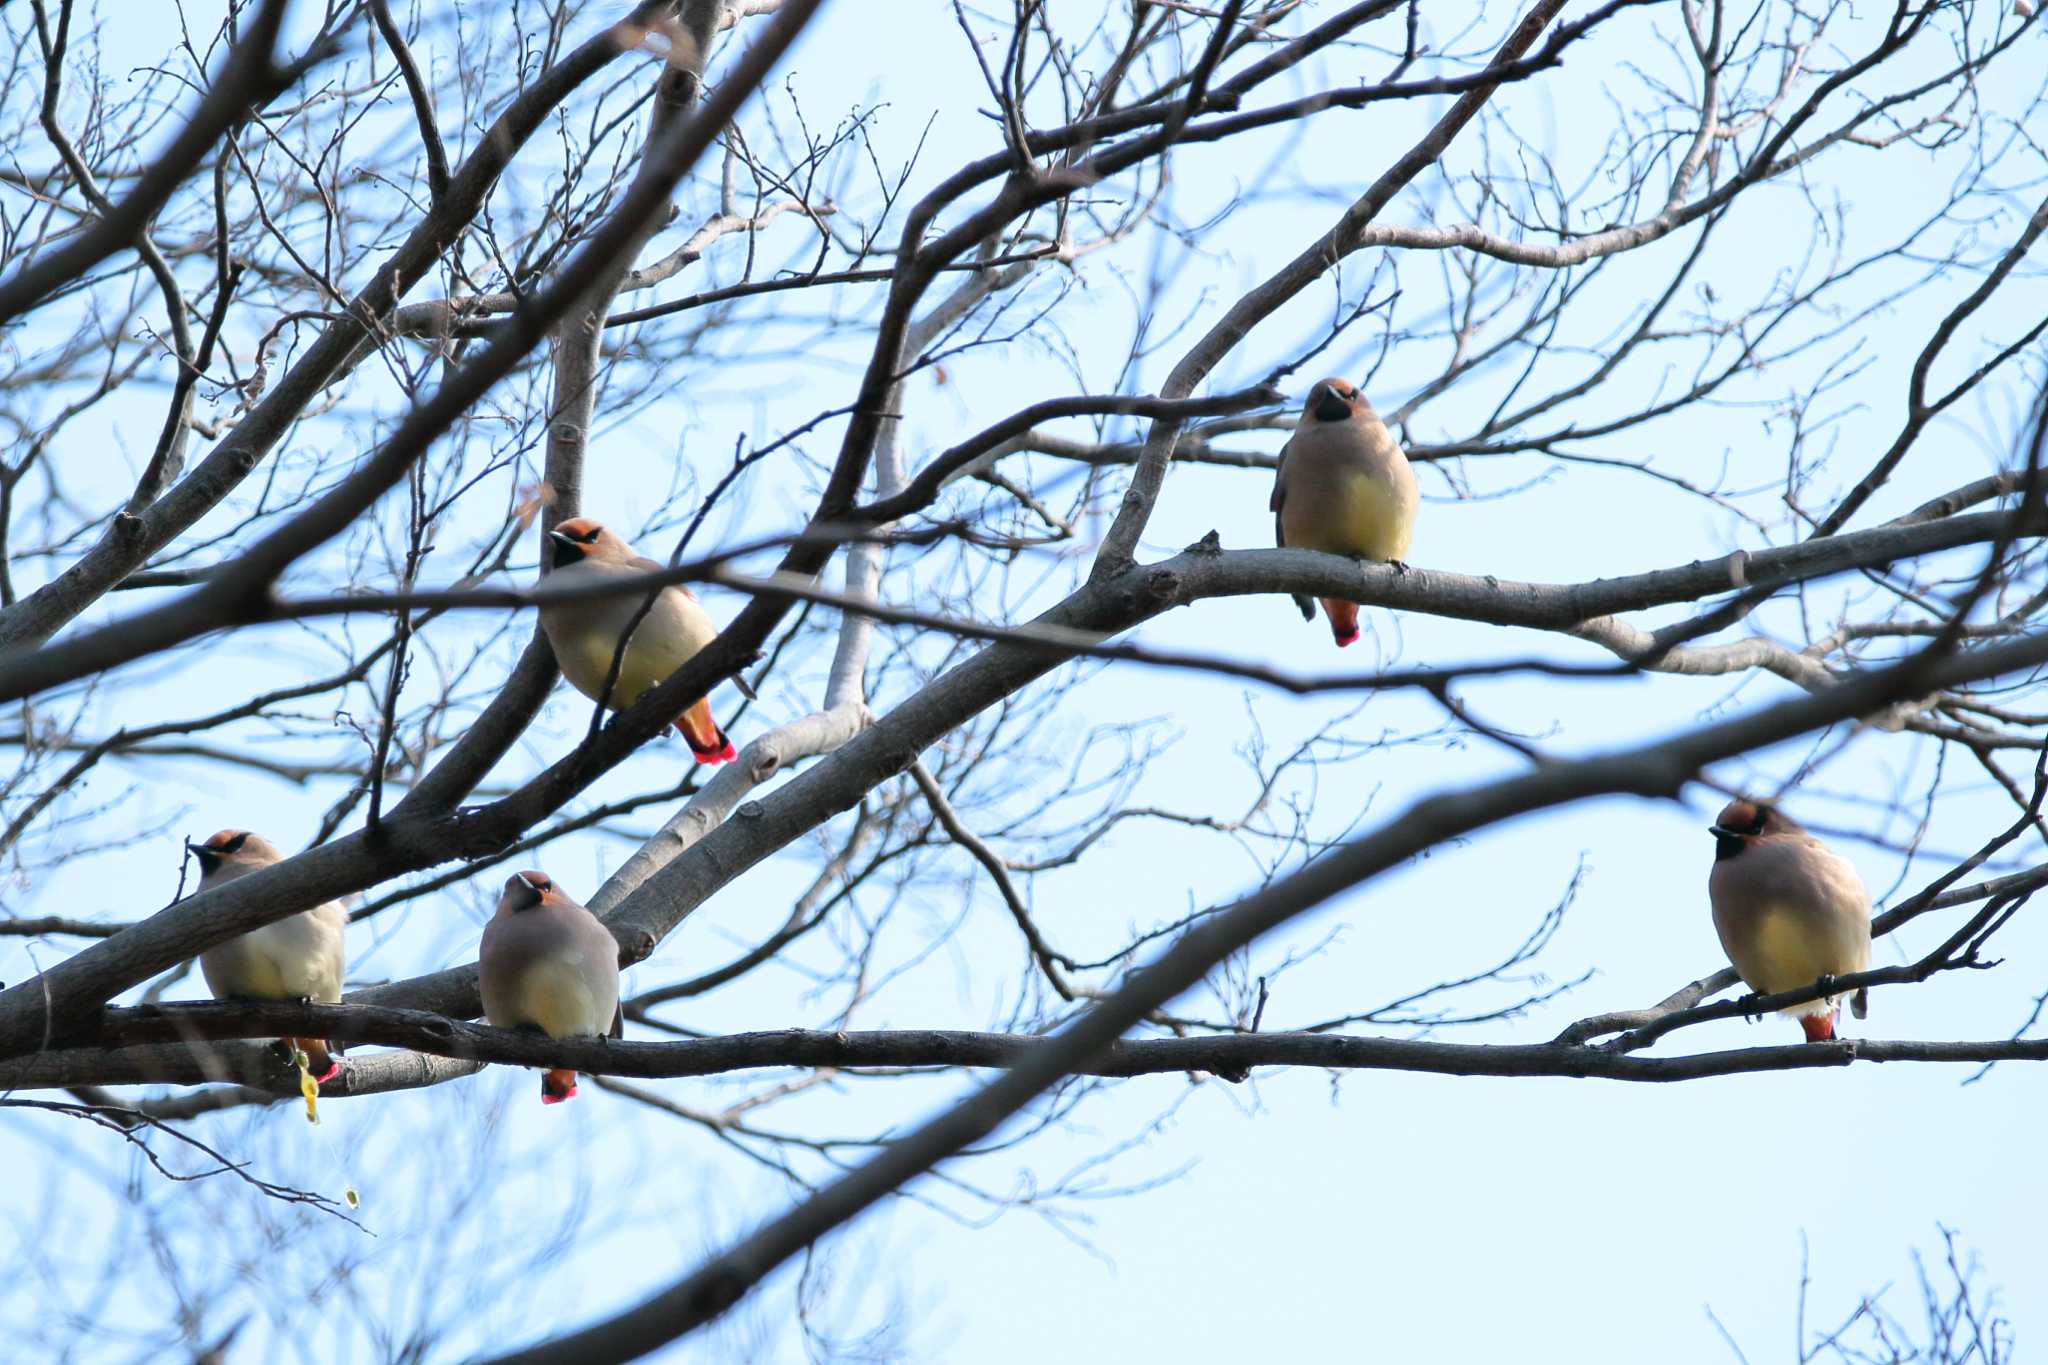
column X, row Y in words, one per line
column 260, row 975
column 1791, row 950
column 587, row 659
column 277, row 962
column 1362, row 516
column 553, row 996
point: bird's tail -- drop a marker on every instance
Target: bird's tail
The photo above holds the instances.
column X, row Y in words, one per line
column 1820, row 1028
column 1307, row 606
column 1343, row 620
column 706, row 740
column 319, row 1060
column 557, row 1085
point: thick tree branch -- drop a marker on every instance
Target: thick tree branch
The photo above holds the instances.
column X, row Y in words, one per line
column 169, row 1045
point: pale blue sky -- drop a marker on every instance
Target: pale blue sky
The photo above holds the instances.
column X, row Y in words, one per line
column 1376, row 1217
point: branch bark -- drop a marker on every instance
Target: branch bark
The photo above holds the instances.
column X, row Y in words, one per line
column 181, row 1044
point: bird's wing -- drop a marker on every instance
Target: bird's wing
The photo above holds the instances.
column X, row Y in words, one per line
column 642, row 564
column 1279, row 500
column 1279, row 496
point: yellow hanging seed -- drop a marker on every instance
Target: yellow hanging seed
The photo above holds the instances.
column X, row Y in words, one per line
column 308, row 1087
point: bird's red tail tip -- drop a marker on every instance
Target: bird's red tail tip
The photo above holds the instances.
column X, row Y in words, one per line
column 556, row 1086
column 1820, row 1028
column 1343, row 619
column 720, row 750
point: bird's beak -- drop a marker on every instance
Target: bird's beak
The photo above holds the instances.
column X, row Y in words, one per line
column 1720, row 833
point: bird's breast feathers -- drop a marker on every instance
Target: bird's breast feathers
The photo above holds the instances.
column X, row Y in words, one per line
column 558, row 995
column 299, row 956
column 585, row 657
column 585, row 636
column 1781, row 946
column 1352, row 513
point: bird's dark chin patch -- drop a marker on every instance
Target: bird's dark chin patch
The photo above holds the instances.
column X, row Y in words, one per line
column 1331, row 408
column 567, row 552
column 1727, row 846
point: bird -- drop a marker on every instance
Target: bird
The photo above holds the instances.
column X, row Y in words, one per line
column 1343, row 487
column 297, row 958
column 548, row 964
column 1790, row 911
column 585, row 634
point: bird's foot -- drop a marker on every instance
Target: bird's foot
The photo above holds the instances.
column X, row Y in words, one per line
column 1400, row 566
column 1825, row 984
column 1751, row 1006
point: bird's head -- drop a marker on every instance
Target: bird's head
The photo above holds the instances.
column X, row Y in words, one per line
column 526, row 891
column 1335, row 400
column 582, row 538
column 232, row 848
column 1742, row 822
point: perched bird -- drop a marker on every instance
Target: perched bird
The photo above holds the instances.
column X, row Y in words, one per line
column 1790, row 911
column 549, row 964
column 299, row 958
column 585, row 635
column 1343, row 487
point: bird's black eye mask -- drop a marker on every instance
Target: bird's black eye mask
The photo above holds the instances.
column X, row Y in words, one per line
column 1729, row 842
column 210, row 856
column 570, row 547
column 527, row 890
